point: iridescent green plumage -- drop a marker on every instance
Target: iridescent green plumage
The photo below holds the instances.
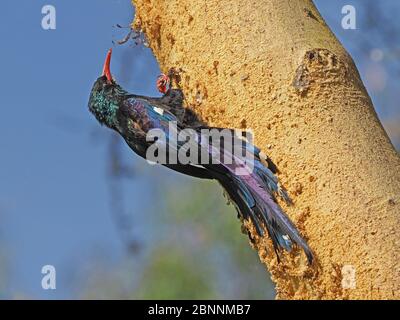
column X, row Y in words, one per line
column 104, row 101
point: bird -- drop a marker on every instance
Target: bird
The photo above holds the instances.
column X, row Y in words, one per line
column 253, row 191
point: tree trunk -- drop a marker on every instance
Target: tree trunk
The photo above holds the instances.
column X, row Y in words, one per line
column 276, row 68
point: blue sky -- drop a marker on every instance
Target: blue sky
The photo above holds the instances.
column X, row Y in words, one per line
column 54, row 200
column 53, row 192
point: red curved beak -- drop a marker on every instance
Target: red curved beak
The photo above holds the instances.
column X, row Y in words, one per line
column 106, row 68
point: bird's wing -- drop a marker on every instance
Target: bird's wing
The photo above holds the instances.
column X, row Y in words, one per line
column 142, row 116
column 172, row 103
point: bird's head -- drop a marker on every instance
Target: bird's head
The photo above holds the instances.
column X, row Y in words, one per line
column 106, row 95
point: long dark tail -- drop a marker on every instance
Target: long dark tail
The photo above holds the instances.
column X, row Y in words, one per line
column 254, row 196
column 253, row 190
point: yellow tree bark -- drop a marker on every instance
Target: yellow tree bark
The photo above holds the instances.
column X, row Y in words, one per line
column 276, row 68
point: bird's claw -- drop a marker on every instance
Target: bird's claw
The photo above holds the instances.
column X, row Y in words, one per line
column 164, row 81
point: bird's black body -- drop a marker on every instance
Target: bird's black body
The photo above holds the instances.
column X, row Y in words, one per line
column 253, row 194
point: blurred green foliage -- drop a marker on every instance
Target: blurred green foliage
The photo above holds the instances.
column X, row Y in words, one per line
column 197, row 251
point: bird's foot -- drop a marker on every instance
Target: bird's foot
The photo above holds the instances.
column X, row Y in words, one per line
column 164, row 81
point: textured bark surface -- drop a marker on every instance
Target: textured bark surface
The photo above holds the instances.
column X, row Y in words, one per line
column 276, row 68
